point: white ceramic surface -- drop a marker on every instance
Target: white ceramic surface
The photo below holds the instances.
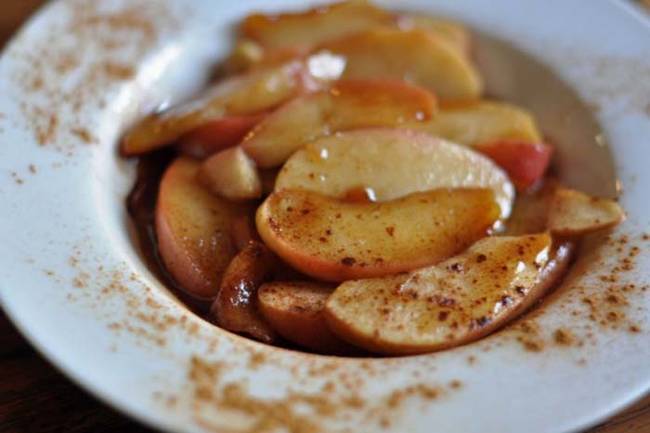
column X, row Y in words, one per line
column 72, row 281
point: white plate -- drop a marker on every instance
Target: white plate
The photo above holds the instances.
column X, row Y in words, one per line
column 72, row 281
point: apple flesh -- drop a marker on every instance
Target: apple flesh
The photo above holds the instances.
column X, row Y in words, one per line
column 441, row 306
column 574, row 213
column 417, row 56
column 245, row 95
column 193, row 229
column 347, row 105
column 231, row 174
column 311, row 27
column 235, row 307
column 391, row 163
column 454, row 33
column 334, row 240
column 295, row 310
column 481, row 122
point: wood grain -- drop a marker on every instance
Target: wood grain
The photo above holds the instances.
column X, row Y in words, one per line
column 36, row 398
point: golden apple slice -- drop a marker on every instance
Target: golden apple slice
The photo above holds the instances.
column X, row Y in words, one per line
column 193, row 229
column 482, row 122
column 244, row 95
column 417, row 56
column 391, row 163
column 334, row 240
column 231, row 174
column 235, row 307
column 295, row 310
column 574, row 213
column 454, row 302
column 453, row 32
column 313, row 26
column 347, row 105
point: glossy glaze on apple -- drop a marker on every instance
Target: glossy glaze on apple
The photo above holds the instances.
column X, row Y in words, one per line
column 344, row 189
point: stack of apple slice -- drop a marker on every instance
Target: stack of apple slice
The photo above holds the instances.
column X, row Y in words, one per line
column 383, row 190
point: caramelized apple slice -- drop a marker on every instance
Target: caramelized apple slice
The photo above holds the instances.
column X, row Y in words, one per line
column 295, row 311
column 454, row 33
column 530, row 212
column 441, row 306
column 193, row 229
column 574, row 213
column 231, row 174
column 238, row 96
column 524, row 162
column 335, row 240
column 391, row 164
column 347, row 105
column 218, row 134
column 314, row 26
column 482, row 122
column 235, row 308
column 416, row 55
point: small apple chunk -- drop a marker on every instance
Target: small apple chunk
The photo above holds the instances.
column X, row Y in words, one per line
column 526, row 163
column 231, row 174
column 441, row 306
column 313, row 26
column 334, row 240
column 347, row 105
column 218, row 134
column 391, row 163
column 193, row 228
column 480, row 122
column 574, row 213
column 235, row 308
column 295, row 310
column 417, row 56
column 244, row 95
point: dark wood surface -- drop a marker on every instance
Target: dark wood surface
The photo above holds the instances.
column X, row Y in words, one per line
column 36, row 398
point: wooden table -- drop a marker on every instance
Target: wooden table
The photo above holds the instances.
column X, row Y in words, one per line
column 36, row 398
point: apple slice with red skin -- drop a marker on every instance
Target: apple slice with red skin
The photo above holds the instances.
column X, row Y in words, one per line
column 244, row 95
column 193, row 229
column 333, row 240
column 235, row 308
column 525, row 163
column 295, row 310
column 445, row 305
column 217, row 135
column 347, row 105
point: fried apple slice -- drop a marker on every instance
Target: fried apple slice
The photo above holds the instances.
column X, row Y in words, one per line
column 574, row 213
column 245, row 95
column 530, row 212
column 526, row 163
column 335, row 240
column 193, row 229
column 417, row 56
column 235, row 308
column 231, row 174
column 305, row 29
column 347, row 105
column 453, row 32
column 441, row 306
column 391, row 164
column 481, row 122
column 295, row 310
column 218, row 135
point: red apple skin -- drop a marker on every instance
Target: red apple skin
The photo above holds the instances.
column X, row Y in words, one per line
column 194, row 229
column 524, row 162
column 218, row 134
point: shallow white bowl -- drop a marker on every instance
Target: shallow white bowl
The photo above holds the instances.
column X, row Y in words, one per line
column 73, row 282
